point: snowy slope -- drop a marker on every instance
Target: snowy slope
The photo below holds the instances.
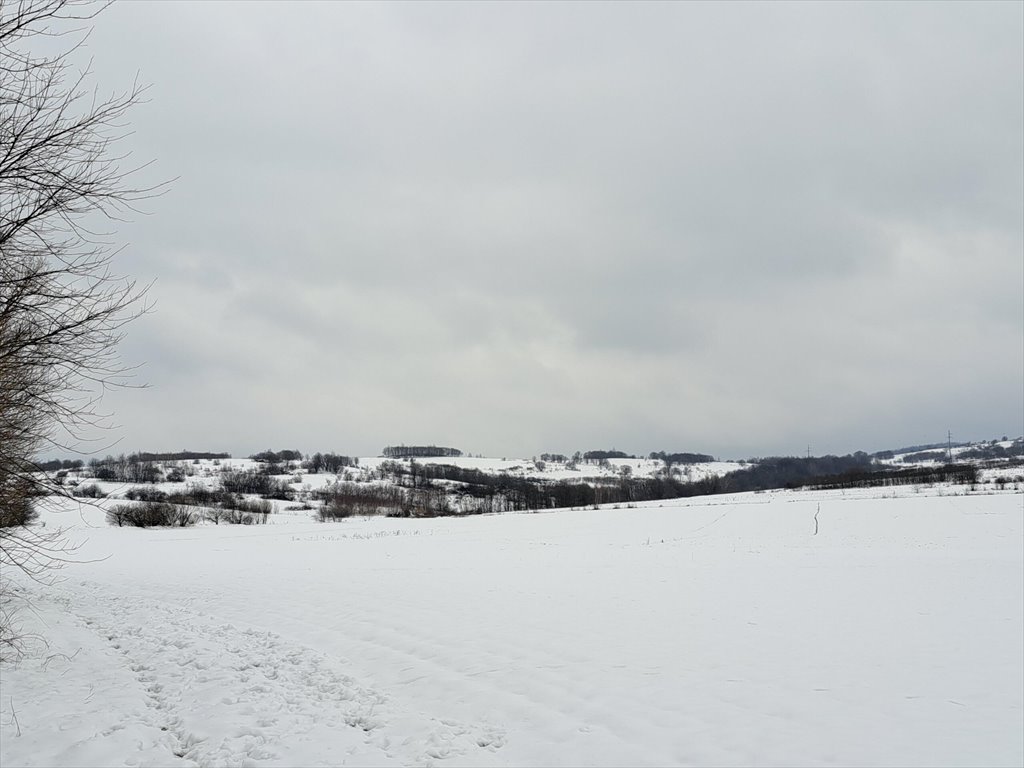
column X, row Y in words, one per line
column 716, row 631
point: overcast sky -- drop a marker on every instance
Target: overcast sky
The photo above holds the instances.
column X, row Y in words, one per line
column 516, row 228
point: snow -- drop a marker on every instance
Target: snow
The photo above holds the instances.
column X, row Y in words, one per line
column 714, row 631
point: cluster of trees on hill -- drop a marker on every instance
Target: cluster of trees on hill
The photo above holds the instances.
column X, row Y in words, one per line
column 179, row 456
column 115, row 467
column 143, row 467
column 555, row 458
column 56, row 465
column 994, row 451
column 259, row 483
column 125, row 469
column 277, row 462
column 867, row 478
column 418, row 451
column 604, row 455
column 913, row 458
column 925, row 447
column 681, row 458
column 784, row 471
column 278, row 457
column 332, row 463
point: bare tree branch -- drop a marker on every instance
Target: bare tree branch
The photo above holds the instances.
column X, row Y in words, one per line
column 63, row 309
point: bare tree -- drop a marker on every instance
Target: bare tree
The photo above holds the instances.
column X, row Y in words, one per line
column 64, row 185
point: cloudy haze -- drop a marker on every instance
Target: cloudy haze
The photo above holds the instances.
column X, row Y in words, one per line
column 515, row 228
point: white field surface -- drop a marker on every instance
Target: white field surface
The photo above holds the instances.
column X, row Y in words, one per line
column 715, row 631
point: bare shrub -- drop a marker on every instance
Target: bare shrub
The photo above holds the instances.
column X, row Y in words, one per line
column 151, row 514
column 18, row 509
column 256, row 483
column 88, row 492
column 246, row 512
column 144, row 493
column 213, row 514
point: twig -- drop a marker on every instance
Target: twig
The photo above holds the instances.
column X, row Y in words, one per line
column 15, row 716
column 816, row 519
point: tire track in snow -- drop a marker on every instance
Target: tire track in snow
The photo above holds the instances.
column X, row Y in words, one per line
column 225, row 695
column 558, row 701
column 231, row 696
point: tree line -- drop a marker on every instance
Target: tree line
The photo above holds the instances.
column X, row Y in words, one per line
column 418, row 451
column 604, row 455
column 994, row 451
column 179, row 456
column 961, row 474
column 681, row 458
column 786, row 471
column 278, row 457
column 55, row 465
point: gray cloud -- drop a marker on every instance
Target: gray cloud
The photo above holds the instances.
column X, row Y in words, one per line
column 518, row 227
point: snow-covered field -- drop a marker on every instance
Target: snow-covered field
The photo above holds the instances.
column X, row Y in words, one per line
column 716, row 631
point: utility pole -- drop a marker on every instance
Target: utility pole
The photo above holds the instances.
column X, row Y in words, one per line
column 949, row 446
